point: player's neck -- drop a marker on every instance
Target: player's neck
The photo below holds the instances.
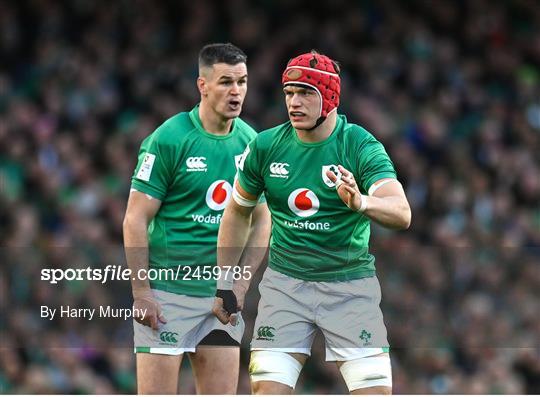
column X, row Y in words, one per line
column 321, row 132
column 212, row 122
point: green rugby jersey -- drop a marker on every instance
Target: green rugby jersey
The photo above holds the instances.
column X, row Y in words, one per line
column 191, row 171
column 315, row 236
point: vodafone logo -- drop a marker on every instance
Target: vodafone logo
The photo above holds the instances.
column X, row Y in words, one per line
column 303, row 202
column 218, row 195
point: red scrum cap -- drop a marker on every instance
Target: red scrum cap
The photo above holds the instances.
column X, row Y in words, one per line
column 318, row 72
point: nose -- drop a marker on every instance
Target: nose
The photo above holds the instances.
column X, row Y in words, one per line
column 235, row 89
column 295, row 100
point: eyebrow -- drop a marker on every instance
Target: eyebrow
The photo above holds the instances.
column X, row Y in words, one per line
column 225, row 77
column 298, row 89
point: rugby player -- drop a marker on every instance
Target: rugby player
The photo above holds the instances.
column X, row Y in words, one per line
column 181, row 184
column 325, row 180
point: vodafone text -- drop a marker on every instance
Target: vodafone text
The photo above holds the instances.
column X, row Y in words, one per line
column 307, row 225
column 210, row 219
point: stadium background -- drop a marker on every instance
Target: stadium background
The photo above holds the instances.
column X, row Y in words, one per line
column 450, row 87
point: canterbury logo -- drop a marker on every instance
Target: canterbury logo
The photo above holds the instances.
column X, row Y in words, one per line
column 279, row 170
column 196, row 164
column 169, row 337
column 266, row 333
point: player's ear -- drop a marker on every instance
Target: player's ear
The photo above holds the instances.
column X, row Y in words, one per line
column 201, row 85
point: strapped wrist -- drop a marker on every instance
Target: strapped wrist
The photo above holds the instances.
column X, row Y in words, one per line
column 363, row 204
column 225, row 280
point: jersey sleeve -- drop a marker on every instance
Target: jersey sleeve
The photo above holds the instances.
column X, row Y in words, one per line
column 153, row 173
column 250, row 171
column 374, row 164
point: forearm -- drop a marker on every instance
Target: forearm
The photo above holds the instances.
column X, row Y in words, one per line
column 256, row 246
column 232, row 236
column 136, row 248
column 392, row 211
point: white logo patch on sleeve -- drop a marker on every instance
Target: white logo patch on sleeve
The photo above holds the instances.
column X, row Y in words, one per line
column 242, row 159
column 146, row 167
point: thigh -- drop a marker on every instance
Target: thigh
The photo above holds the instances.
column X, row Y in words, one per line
column 351, row 320
column 266, row 387
column 157, row 373
column 285, row 320
column 216, row 369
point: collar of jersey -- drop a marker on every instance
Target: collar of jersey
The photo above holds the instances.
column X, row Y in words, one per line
column 331, row 137
column 196, row 120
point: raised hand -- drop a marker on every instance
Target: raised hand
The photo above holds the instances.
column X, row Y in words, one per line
column 347, row 189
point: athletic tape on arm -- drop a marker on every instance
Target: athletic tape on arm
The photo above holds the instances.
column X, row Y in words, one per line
column 146, row 194
column 376, row 186
column 226, row 280
column 241, row 200
column 363, row 204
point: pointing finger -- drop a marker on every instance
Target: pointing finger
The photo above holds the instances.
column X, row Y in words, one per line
column 333, row 177
column 344, row 170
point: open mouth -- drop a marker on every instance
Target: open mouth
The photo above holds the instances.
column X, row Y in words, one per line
column 296, row 115
column 234, row 104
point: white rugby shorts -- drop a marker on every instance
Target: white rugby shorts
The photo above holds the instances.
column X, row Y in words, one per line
column 189, row 320
column 347, row 313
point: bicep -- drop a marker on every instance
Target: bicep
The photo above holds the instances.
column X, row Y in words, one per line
column 261, row 214
column 373, row 165
column 243, row 203
column 142, row 206
column 387, row 187
column 244, row 194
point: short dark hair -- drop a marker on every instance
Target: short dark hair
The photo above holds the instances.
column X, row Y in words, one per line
column 227, row 53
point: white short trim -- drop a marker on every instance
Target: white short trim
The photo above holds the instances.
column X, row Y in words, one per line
column 301, row 350
column 168, row 351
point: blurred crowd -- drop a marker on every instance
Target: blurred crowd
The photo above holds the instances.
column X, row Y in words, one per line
column 451, row 88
